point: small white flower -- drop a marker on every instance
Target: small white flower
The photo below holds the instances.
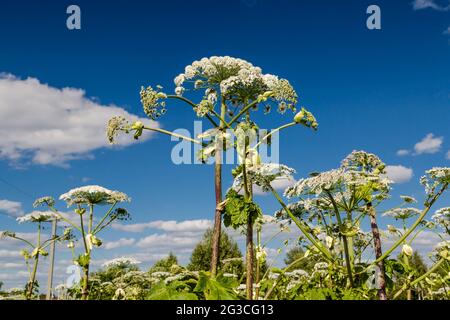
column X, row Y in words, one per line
column 261, row 254
column 92, row 241
column 407, row 250
column 179, row 91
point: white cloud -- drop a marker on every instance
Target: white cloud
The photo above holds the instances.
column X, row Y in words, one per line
column 399, row 174
column 168, row 226
column 429, row 144
column 447, row 31
column 430, row 4
column 48, row 125
column 9, row 253
column 122, row 242
column 167, row 241
column 448, row 155
column 403, row 152
column 11, row 208
column 10, row 265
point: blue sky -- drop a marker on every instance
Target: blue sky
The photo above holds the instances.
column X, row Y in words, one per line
column 377, row 90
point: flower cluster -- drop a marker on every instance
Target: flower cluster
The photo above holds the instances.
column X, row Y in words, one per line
column 435, row 178
column 317, row 184
column 48, row 201
column 282, row 91
column 402, row 213
column 120, row 262
column 264, row 174
column 306, row 118
column 93, row 195
column 363, row 161
column 212, row 70
column 203, row 108
column 115, row 125
column 442, row 249
column 442, row 217
column 151, row 101
column 247, row 85
column 38, row 216
column 239, row 81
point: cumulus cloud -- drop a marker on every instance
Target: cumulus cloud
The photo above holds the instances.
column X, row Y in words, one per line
column 122, row 242
column 168, row 226
column 51, row 126
column 167, row 241
column 448, row 155
column 431, row 4
column 399, row 173
column 429, row 144
column 11, row 208
column 403, row 152
column 4, row 253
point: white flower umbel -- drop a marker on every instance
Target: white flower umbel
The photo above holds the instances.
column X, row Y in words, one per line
column 402, row 213
column 121, row 262
column 213, row 70
column 49, row 201
column 93, row 195
column 442, row 217
column 38, row 216
column 434, row 179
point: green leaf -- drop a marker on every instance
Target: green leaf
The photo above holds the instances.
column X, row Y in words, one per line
column 238, row 210
column 161, row 291
column 219, row 288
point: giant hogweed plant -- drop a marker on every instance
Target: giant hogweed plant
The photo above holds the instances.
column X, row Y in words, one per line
column 331, row 206
column 233, row 89
column 37, row 249
column 85, row 200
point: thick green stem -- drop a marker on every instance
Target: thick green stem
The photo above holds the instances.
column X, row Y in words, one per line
column 381, row 280
column 52, row 261
column 33, row 277
column 36, row 261
column 249, row 237
column 348, row 264
column 91, row 218
column 215, row 254
column 84, row 289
